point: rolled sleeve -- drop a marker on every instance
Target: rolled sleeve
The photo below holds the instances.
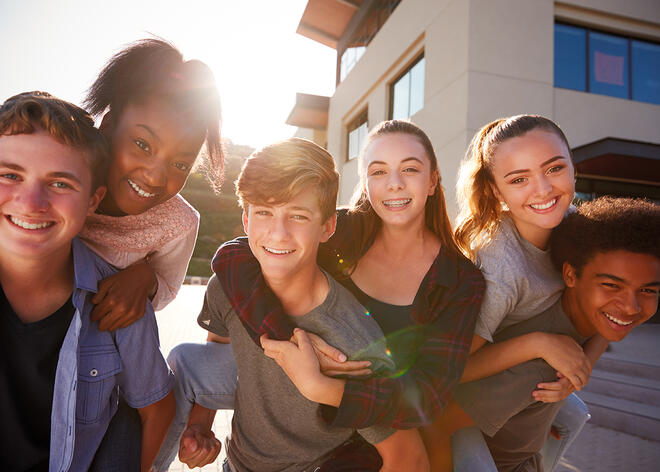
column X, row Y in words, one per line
column 145, row 377
column 216, row 307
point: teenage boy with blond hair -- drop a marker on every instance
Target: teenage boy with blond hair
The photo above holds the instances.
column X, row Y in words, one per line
column 60, row 376
column 288, row 193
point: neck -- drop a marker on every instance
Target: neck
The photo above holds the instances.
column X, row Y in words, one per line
column 571, row 307
column 539, row 237
column 37, row 273
column 401, row 241
column 301, row 293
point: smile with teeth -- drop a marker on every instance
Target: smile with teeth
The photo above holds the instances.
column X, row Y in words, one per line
column 26, row 225
column 139, row 190
column 544, row 206
column 616, row 320
column 278, row 251
column 397, row 203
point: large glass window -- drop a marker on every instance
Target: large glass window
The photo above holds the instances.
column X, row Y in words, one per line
column 570, row 57
column 645, row 71
column 408, row 92
column 607, row 64
column 357, row 135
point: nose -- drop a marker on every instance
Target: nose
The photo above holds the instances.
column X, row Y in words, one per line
column 394, row 181
column 155, row 174
column 279, row 230
column 32, row 199
column 629, row 303
column 543, row 185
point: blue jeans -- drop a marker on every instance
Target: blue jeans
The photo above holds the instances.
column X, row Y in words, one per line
column 470, row 452
column 205, row 374
column 121, row 447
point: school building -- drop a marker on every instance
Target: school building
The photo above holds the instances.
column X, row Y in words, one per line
column 452, row 66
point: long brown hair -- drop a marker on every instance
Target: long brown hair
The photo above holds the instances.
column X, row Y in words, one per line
column 480, row 211
column 435, row 213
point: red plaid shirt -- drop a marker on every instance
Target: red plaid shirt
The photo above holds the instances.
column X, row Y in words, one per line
column 442, row 319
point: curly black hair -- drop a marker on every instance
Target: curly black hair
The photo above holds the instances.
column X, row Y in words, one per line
column 606, row 224
column 154, row 67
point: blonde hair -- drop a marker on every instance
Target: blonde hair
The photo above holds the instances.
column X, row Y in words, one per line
column 276, row 173
column 480, row 211
column 435, row 213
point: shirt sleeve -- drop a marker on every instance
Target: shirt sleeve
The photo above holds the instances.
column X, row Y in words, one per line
column 500, row 295
column 420, row 394
column 215, row 308
column 171, row 264
column 145, row 377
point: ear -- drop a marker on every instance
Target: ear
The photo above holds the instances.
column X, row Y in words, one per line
column 329, row 228
column 106, row 124
column 435, row 177
column 245, row 219
column 569, row 274
column 95, row 199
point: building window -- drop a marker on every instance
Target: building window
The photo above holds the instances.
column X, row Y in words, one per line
column 379, row 12
column 357, row 135
column 407, row 92
column 606, row 64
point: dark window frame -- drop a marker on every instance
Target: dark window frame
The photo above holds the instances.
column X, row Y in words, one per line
column 396, row 80
column 361, row 118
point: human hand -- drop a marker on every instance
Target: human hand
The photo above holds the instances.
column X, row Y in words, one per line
column 551, row 392
column 198, row 446
column 566, row 357
column 332, row 361
column 121, row 298
column 297, row 360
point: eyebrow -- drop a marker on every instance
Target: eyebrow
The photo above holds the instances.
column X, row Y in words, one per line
column 150, row 131
column 521, row 171
column 619, row 279
column 9, row 165
column 301, row 208
column 65, row 175
column 405, row 160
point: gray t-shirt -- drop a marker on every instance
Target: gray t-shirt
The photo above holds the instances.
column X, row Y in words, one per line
column 521, row 281
column 274, row 427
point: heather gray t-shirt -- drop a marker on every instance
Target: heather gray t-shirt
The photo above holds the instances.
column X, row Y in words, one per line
column 274, row 427
column 521, row 281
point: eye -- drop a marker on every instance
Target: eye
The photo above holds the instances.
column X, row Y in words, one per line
column 300, row 217
column 261, row 212
column 142, row 144
column 61, row 185
column 9, row 176
column 182, row 166
column 554, row 169
column 610, row 285
column 650, row 291
column 411, row 170
column 376, row 172
column 519, row 180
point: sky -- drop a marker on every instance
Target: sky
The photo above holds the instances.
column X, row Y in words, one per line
column 252, row 47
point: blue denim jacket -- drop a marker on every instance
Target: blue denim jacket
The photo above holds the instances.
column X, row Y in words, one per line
column 96, row 367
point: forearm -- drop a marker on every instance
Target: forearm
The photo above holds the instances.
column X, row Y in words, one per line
column 404, row 450
column 595, row 347
column 201, row 416
column 494, row 358
column 327, row 391
column 156, row 420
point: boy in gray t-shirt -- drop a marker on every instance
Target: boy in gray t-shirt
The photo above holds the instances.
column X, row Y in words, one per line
column 288, row 192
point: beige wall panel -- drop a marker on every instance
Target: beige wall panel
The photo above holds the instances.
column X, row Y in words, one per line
column 587, row 117
column 449, row 159
column 492, row 97
column 645, row 10
column 510, row 38
column 445, row 114
column 446, row 48
column 347, row 181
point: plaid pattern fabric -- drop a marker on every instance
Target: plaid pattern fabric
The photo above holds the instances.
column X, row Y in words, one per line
column 442, row 324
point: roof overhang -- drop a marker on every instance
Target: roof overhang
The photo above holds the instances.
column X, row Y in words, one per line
column 310, row 111
column 619, row 158
column 325, row 21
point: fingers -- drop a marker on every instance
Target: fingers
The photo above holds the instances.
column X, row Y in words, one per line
column 197, row 449
column 353, row 373
column 103, row 288
column 348, row 367
column 304, row 344
column 320, row 346
column 554, row 432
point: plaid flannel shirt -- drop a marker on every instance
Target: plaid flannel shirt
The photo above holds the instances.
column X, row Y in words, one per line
column 442, row 318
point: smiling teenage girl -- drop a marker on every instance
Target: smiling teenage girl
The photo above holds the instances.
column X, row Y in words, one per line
column 159, row 111
column 515, row 186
